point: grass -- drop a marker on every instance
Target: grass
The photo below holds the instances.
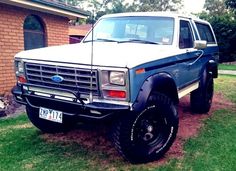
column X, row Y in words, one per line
column 227, row 86
column 215, row 147
column 227, row 67
column 23, row 147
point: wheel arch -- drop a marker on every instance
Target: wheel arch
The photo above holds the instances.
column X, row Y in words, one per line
column 212, row 67
column 162, row 83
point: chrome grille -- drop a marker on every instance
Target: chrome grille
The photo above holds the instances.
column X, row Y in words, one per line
column 75, row 79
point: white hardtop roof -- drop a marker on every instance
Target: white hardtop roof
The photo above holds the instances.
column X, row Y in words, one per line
column 155, row 14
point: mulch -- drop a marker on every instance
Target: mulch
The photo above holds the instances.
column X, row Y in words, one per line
column 9, row 107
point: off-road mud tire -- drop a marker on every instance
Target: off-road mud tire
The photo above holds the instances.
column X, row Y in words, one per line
column 148, row 135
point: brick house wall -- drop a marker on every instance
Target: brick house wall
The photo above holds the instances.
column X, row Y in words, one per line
column 12, row 38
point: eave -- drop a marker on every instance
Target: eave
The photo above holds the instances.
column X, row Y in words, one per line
column 48, row 8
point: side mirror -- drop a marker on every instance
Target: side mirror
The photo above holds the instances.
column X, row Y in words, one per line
column 200, row 44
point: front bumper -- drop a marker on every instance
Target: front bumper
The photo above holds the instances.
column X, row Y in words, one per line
column 77, row 107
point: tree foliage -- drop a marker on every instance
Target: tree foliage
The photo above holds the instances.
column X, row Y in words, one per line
column 118, row 6
column 231, row 4
column 101, row 8
column 224, row 24
column 215, row 7
column 71, row 2
column 157, row 5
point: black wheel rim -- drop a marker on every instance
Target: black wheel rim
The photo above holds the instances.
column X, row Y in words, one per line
column 151, row 130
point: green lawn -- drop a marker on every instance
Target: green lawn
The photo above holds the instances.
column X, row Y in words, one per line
column 22, row 147
column 227, row 67
column 227, row 86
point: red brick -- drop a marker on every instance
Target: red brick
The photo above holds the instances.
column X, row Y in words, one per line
column 12, row 38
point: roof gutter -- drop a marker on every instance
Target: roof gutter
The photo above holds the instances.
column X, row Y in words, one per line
column 51, row 8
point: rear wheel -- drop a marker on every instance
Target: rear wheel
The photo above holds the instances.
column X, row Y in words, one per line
column 146, row 136
column 48, row 126
column 201, row 99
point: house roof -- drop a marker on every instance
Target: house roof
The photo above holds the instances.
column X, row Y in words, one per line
column 49, row 6
column 79, row 30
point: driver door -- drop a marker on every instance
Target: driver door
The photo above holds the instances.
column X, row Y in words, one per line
column 187, row 71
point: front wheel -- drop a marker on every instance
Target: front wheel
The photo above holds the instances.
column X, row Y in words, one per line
column 146, row 136
column 48, row 126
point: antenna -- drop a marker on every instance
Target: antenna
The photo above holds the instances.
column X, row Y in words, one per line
column 91, row 69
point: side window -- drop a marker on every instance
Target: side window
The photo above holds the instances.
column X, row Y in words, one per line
column 185, row 35
column 34, row 33
column 205, row 33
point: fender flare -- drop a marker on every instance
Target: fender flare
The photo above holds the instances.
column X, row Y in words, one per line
column 212, row 66
column 161, row 82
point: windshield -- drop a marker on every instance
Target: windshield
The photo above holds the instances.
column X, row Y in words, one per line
column 138, row 29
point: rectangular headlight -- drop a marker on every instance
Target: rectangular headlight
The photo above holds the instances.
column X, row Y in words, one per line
column 19, row 69
column 19, row 66
column 114, row 84
column 117, row 78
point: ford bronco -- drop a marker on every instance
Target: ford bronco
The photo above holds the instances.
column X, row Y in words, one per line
column 132, row 68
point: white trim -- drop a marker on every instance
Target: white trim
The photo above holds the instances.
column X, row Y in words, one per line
column 212, row 45
column 188, row 89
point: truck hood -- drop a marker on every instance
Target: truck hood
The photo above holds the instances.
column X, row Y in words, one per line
column 105, row 53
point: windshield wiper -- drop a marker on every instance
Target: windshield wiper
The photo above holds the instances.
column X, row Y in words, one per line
column 100, row 40
column 139, row 41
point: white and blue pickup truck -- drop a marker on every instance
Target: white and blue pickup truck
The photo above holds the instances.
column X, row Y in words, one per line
column 131, row 68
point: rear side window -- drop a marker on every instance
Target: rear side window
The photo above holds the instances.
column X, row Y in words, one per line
column 205, row 33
